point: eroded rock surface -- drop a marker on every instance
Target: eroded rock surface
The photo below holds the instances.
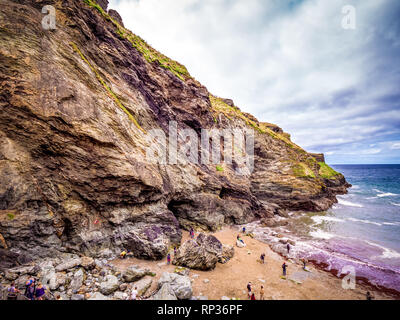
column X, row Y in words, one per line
column 76, row 104
column 202, row 253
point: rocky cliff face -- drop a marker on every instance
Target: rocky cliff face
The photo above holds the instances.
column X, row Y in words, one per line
column 76, row 104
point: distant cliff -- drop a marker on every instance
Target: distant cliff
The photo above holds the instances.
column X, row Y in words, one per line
column 75, row 106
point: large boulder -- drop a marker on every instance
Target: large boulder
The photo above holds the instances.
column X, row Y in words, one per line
column 180, row 285
column 143, row 285
column 201, row 254
column 165, row 293
column 77, row 280
column 69, row 264
column 110, row 285
column 134, row 273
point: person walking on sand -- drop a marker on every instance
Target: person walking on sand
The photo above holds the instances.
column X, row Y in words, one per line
column 304, row 260
column 262, row 293
column 249, row 289
column 168, row 258
column 134, row 293
column 262, row 257
column 284, row 266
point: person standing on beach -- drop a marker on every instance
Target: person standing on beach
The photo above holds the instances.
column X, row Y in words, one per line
column 244, row 230
column 134, row 294
column 262, row 293
column 253, row 296
column 168, row 258
column 284, row 266
column 262, row 257
column 304, row 260
column 249, row 289
column 288, row 248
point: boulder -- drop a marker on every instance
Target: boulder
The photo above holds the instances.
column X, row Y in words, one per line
column 201, row 254
column 143, row 285
column 69, row 264
column 22, row 270
column 180, row 285
column 120, row 295
column 228, row 252
column 134, row 273
column 77, row 281
column 88, row 263
column 110, row 285
column 165, row 293
column 98, row 296
column 10, row 276
column 77, row 297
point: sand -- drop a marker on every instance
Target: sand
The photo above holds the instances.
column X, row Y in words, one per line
column 231, row 279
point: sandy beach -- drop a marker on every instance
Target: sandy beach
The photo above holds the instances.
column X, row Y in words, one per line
column 230, row 279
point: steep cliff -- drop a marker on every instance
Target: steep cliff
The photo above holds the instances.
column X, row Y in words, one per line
column 76, row 106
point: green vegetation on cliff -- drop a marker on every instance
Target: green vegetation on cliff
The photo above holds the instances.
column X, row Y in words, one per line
column 301, row 170
column 104, row 84
column 149, row 53
column 326, row 171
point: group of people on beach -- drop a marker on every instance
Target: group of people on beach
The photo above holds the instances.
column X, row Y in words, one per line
column 32, row 291
column 252, row 295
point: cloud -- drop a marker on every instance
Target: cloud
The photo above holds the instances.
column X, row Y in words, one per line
column 289, row 62
column 395, row 146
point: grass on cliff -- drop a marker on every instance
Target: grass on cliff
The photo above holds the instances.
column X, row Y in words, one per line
column 108, row 89
column 219, row 106
column 326, row 171
column 149, row 53
column 301, row 170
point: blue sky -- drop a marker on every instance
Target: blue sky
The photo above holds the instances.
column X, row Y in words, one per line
column 291, row 62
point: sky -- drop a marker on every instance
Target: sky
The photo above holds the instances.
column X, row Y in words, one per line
column 328, row 77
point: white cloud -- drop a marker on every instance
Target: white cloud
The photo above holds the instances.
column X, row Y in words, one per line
column 395, row 146
column 287, row 62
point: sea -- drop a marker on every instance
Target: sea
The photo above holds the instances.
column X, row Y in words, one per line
column 361, row 233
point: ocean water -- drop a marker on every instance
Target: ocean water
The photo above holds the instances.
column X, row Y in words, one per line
column 362, row 230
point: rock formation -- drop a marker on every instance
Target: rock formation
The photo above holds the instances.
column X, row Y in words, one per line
column 76, row 106
column 202, row 253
